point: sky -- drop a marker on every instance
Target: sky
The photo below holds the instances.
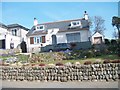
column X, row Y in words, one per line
column 23, row 13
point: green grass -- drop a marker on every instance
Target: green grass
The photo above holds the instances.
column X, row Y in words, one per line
column 110, row 57
column 5, row 57
column 23, row 57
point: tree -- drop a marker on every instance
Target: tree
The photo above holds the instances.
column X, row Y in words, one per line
column 98, row 24
column 116, row 23
column 113, row 42
column 115, row 34
column 107, row 42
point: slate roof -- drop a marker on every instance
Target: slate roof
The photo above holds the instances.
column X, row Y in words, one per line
column 17, row 25
column 12, row 26
column 64, row 26
column 3, row 25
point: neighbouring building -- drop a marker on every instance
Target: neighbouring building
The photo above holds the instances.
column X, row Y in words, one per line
column 97, row 38
column 12, row 35
column 67, row 31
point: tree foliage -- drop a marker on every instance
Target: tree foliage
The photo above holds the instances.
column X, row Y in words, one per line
column 116, row 23
column 107, row 42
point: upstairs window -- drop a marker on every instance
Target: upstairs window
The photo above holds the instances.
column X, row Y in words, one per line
column 14, row 32
column 41, row 27
column 75, row 23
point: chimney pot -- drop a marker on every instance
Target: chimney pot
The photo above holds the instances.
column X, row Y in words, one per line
column 85, row 15
column 35, row 22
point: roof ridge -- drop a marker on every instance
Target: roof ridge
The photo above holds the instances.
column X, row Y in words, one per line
column 14, row 24
column 61, row 21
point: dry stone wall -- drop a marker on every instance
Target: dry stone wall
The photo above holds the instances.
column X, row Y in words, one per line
column 63, row 73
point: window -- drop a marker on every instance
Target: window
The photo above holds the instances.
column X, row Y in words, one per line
column 75, row 23
column 73, row 37
column 37, row 40
column 14, row 32
column 41, row 27
column 31, row 40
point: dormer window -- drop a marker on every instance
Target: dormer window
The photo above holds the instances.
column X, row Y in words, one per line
column 75, row 23
column 41, row 27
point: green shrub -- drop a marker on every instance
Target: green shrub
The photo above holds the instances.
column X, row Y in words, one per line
column 113, row 42
column 107, row 41
column 118, row 49
column 23, row 57
column 88, row 54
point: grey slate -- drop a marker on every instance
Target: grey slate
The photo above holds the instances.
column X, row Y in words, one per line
column 62, row 25
column 12, row 26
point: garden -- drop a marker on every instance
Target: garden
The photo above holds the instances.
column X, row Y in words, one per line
column 103, row 53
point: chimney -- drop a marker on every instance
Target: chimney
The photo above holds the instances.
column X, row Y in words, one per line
column 86, row 15
column 35, row 22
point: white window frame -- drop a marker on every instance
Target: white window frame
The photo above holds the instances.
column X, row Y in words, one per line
column 38, row 27
column 35, row 39
column 72, row 25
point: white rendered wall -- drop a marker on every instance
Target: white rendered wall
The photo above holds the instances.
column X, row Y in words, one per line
column 15, row 40
column 23, row 35
column 3, row 32
column 84, row 35
column 61, row 38
column 97, row 35
column 36, row 46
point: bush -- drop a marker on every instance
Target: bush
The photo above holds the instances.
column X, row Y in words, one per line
column 118, row 47
column 33, row 65
column 88, row 54
column 113, row 49
column 115, row 61
column 96, row 62
column 78, row 54
column 107, row 42
column 114, row 42
column 106, row 61
column 41, row 64
column 59, row 64
column 87, row 62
